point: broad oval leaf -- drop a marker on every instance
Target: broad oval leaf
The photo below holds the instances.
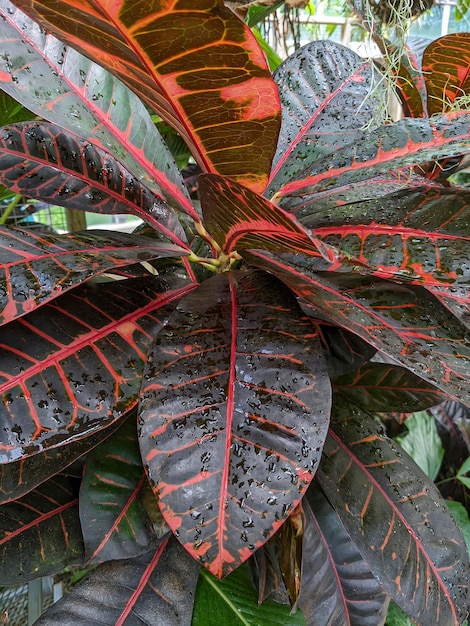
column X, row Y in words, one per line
column 169, row 54
column 40, row 534
column 62, row 86
column 233, row 413
column 327, row 97
column 446, row 63
column 397, row 518
column 115, row 522
column 36, row 267
column 74, row 366
column 132, row 591
column 351, row 595
column 41, row 161
column 403, row 321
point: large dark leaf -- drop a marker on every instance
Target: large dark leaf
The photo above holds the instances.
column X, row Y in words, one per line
column 344, row 351
column 41, row 161
column 382, row 387
column 64, row 87
column 115, row 522
column 19, row 477
column 40, row 534
column 406, row 143
column 405, row 322
column 74, row 366
column 169, row 54
column 233, row 414
column 327, row 97
column 155, row 588
column 396, row 517
column 337, row 584
column 446, row 71
column 36, row 267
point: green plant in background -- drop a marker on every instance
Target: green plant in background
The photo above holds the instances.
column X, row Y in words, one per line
column 220, row 392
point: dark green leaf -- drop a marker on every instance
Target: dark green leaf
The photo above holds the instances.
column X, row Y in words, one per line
column 40, row 533
column 422, row 443
column 115, row 522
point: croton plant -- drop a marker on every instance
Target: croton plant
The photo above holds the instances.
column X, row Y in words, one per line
column 206, row 391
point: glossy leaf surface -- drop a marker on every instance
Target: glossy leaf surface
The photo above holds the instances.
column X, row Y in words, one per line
column 406, row 143
column 343, row 590
column 37, row 267
column 326, row 96
column 446, row 71
column 228, row 111
column 405, row 322
column 19, row 477
column 381, row 387
column 74, row 366
column 133, row 591
column 233, row 413
column 43, row 162
column 114, row 520
column 40, row 534
column 62, row 86
column 396, row 517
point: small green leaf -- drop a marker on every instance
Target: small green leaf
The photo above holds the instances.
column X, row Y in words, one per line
column 396, row 617
column 460, row 515
column 465, row 481
column 465, row 468
column 422, row 442
column 234, row 601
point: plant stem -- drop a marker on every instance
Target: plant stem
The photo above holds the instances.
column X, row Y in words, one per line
column 14, row 201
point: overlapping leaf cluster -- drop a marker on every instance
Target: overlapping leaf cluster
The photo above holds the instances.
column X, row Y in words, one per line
column 213, row 374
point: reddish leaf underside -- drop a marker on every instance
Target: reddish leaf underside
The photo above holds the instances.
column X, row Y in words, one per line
column 397, row 518
column 169, row 54
column 36, row 267
column 446, row 63
column 233, row 414
column 74, row 366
